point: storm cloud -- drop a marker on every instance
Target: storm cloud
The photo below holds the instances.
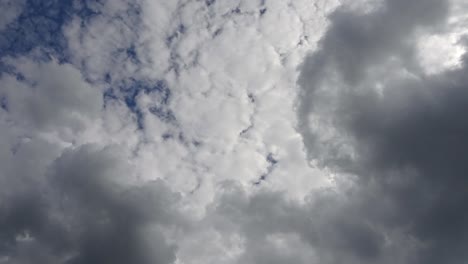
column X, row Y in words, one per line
column 81, row 213
column 399, row 129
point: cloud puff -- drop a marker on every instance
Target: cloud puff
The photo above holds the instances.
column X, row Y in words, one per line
column 49, row 95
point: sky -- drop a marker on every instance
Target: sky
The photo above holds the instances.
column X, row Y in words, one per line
column 233, row 131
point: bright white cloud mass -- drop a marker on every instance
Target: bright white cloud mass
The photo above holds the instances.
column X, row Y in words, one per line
column 257, row 132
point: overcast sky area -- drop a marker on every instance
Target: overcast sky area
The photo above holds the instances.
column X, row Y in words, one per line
column 233, row 131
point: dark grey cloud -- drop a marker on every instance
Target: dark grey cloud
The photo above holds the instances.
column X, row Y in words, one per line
column 324, row 229
column 84, row 212
column 408, row 138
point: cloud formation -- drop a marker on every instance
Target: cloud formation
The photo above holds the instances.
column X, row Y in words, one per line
column 396, row 127
column 138, row 131
column 83, row 211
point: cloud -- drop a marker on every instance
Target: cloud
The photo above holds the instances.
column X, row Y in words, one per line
column 325, row 228
column 49, row 94
column 368, row 107
column 14, row 8
column 86, row 212
column 138, row 131
column 181, row 96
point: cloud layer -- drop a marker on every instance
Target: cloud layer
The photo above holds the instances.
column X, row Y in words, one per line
column 233, row 132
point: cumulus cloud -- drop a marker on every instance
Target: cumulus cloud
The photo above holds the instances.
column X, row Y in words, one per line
column 189, row 94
